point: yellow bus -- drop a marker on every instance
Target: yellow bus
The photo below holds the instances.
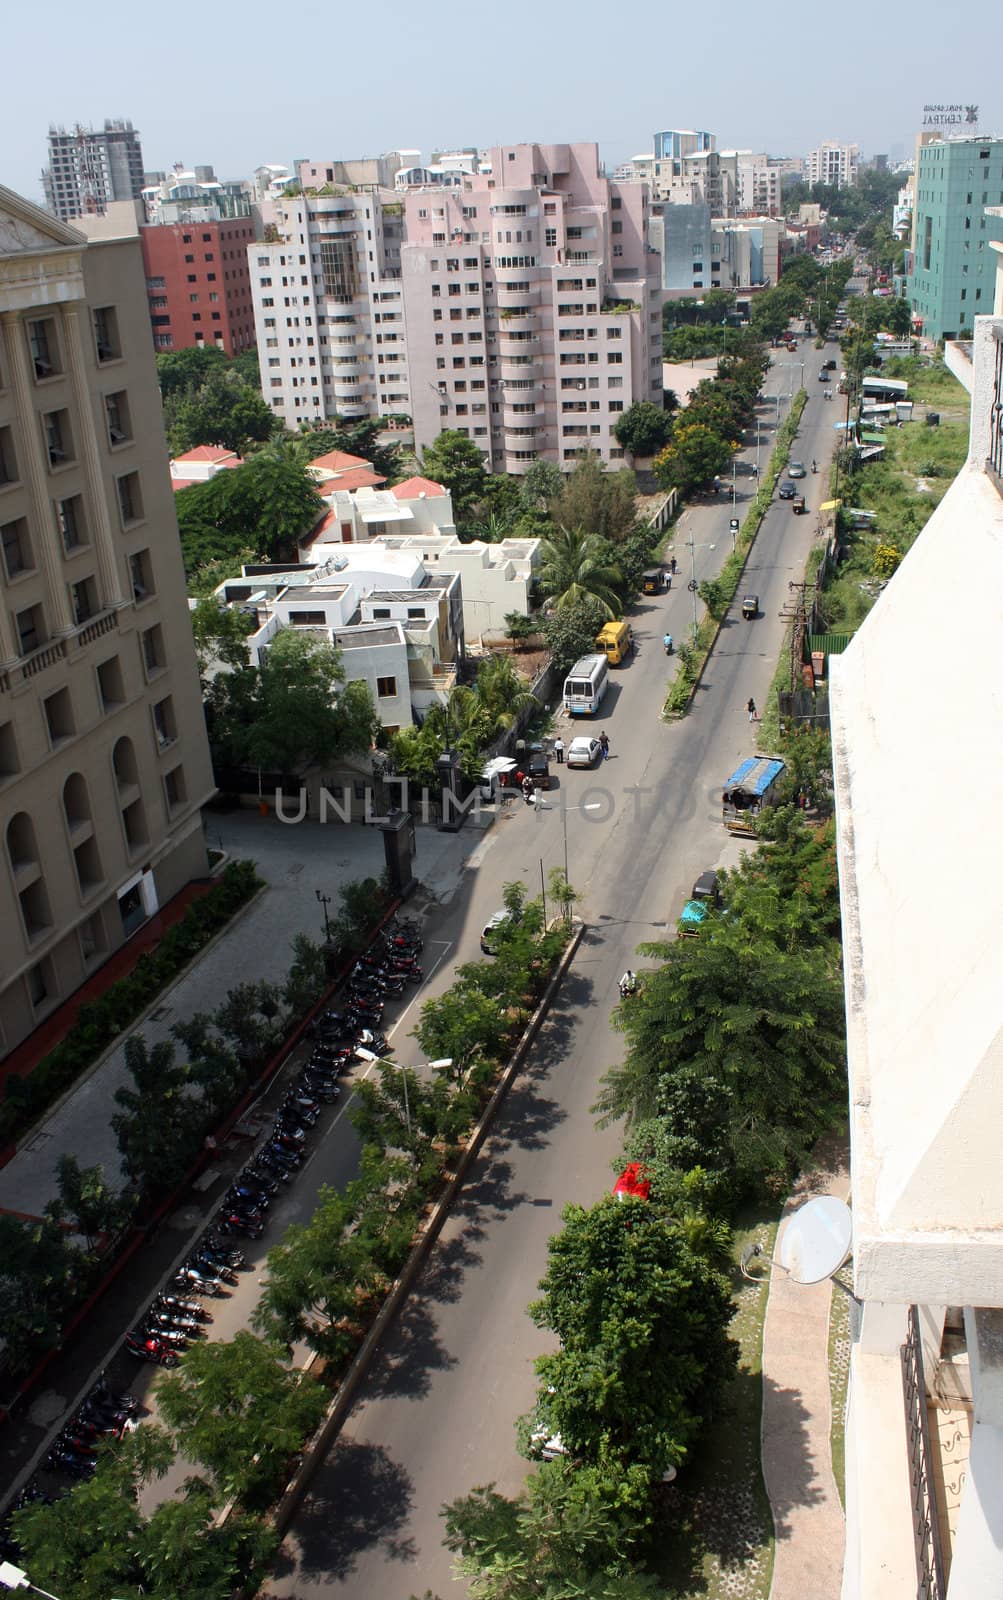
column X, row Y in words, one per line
column 613, row 642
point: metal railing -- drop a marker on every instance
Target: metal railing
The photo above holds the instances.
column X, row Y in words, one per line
column 930, row 1581
column 994, row 460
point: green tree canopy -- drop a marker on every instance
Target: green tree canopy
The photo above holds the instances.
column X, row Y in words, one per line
column 541, row 485
column 223, row 410
column 455, row 461
column 642, row 1321
column 571, row 631
column 574, row 567
column 694, row 456
column 561, row 1538
column 765, row 1021
column 305, row 712
column 597, row 501
column 267, row 505
column 159, row 1128
column 643, row 429
column 235, row 1408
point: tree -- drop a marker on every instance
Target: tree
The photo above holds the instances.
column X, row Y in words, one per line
column 455, row 461
column 95, row 1542
column 86, row 1199
column 212, row 1066
column 159, row 1129
column 183, row 371
column 220, row 634
column 643, row 429
column 223, row 410
column 360, row 438
column 316, row 1277
column 695, row 455
column 265, row 505
column 541, row 485
column 571, row 632
column 502, row 691
column 305, row 713
column 561, row 1538
column 462, row 1023
column 597, row 501
column 642, row 1321
column 236, row 1408
column 573, row 567
column 40, row 1279
column 766, row 1021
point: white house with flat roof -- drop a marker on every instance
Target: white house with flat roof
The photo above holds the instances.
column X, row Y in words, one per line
column 918, row 762
column 404, row 626
column 497, row 578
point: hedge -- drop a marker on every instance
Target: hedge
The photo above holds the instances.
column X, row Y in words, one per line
column 99, row 1022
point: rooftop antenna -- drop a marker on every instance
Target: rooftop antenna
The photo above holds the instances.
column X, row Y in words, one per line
column 815, row 1243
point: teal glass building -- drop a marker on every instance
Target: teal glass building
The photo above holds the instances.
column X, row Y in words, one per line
column 953, row 271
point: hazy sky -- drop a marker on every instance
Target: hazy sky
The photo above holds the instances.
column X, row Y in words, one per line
column 234, row 85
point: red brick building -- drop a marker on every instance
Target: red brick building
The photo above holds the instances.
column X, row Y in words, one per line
column 198, row 285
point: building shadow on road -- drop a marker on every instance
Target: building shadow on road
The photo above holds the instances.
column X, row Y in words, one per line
column 360, row 1498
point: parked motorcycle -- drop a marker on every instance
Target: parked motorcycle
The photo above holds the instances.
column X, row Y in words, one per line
column 175, row 1322
column 249, row 1225
column 147, row 1348
column 248, row 1194
column 173, row 1338
column 199, row 1279
column 185, row 1308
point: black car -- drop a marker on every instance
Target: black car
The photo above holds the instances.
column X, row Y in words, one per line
column 787, row 490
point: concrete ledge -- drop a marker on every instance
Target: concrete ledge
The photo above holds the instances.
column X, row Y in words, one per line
column 337, row 1413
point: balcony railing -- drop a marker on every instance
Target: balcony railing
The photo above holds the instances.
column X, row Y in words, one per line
column 930, row 1581
column 994, row 460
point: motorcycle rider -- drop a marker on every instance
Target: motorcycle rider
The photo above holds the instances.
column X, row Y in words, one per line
column 628, row 984
column 667, row 642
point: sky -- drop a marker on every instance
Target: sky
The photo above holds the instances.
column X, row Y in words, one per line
column 233, row 86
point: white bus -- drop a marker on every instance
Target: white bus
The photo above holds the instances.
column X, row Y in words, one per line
column 585, row 686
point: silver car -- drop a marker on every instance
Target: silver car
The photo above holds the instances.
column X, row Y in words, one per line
column 583, row 751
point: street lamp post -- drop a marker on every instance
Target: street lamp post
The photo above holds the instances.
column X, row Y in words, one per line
column 693, row 548
column 325, row 901
column 12, row 1577
column 370, row 1055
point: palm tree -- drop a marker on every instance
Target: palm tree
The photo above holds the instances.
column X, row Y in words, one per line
column 574, row 567
column 501, row 691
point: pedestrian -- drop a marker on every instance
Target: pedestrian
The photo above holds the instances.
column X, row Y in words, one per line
column 604, row 746
column 527, row 789
column 559, row 751
column 751, row 708
column 633, row 645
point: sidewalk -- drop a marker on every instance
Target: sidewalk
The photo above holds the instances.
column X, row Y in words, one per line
column 295, row 861
column 797, row 1467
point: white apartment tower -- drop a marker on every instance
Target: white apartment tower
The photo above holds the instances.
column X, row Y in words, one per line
column 834, row 164
column 328, row 311
column 532, row 303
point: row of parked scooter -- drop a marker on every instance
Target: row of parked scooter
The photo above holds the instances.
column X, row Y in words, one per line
column 175, row 1318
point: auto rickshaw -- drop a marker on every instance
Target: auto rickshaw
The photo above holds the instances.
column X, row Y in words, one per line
column 750, row 607
column 654, row 582
column 798, row 506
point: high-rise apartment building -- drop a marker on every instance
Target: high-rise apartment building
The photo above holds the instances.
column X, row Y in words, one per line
column 532, row 305
column 89, row 168
column 834, row 164
column 953, row 268
column 328, row 309
column 759, row 178
column 686, row 168
column 104, row 763
column 199, row 284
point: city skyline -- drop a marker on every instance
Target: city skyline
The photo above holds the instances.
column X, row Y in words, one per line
column 774, row 88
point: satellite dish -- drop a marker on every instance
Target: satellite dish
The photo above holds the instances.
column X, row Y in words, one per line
column 816, row 1240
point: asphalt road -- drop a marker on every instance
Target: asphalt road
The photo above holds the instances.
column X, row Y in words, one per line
column 435, row 1417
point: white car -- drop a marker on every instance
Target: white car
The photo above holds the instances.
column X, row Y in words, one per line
column 796, row 469
column 583, row 751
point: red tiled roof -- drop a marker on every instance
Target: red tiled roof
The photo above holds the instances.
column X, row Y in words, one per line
column 210, row 452
column 357, row 478
column 411, row 488
column 184, row 483
column 339, row 461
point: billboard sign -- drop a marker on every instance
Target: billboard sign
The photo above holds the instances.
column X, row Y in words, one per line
column 951, row 117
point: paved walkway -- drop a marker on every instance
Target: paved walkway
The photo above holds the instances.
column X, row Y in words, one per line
column 797, row 1466
column 295, row 860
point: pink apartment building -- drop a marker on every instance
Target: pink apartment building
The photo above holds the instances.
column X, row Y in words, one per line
column 532, row 305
